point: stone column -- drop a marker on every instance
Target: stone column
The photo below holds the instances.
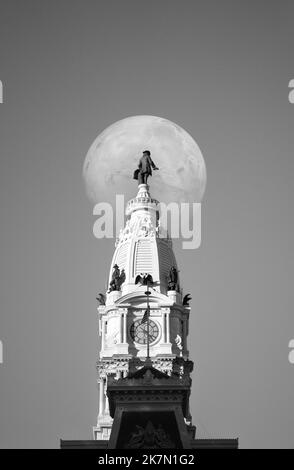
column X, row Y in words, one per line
column 167, row 327
column 103, row 334
column 185, row 334
column 101, row 396
column 164, row 327
column 121, row 328
column 106, row 404
column 125, row 327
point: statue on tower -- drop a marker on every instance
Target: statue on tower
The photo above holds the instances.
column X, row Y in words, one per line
column 172, row 279
column 117, row 279
column 145, row 167
column 101, row 299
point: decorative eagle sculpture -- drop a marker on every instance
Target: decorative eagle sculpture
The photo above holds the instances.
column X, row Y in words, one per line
column 101, row 299
column 186, row 300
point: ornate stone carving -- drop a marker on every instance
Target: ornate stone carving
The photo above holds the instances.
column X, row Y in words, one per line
column 101, row 299
column 141, row 227
column 178, row 341
column 111, row 338
column 112, row 367
column 145, row 228
column 186, row 300
column 149, row 379
column 149, row 438
column 118, row 278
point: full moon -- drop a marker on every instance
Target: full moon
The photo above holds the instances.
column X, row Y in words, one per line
column 114, row 155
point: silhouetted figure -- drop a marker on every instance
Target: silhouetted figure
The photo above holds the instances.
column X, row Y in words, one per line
column 122, row 278
column 117, row 279
column 101, row 299
column 186, row 299
column 173, row 279
column 144, row 279
column 145, row 167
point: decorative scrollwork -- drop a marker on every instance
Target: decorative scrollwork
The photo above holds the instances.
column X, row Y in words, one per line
column 150, row 437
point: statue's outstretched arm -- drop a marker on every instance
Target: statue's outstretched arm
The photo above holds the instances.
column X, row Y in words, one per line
column 153, row 164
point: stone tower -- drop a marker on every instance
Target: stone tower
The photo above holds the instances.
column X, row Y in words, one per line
column 142, row 248
column 143, row 365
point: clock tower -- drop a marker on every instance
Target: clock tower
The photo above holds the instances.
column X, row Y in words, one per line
column 143, row 364
column 143, row 255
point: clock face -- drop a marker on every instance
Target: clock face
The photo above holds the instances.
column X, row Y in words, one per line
column 138, row 331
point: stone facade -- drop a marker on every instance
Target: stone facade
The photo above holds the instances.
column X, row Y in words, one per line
column 141, row 248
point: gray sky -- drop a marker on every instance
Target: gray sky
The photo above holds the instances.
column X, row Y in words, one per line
column 220, row 69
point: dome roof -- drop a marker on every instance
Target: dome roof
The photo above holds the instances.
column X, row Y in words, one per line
column 141, row 247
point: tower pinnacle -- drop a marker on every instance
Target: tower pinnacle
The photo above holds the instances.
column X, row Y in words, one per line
column 141, row 252
column 142, row 247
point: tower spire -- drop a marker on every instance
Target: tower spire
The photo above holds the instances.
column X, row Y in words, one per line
column 143, row 316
